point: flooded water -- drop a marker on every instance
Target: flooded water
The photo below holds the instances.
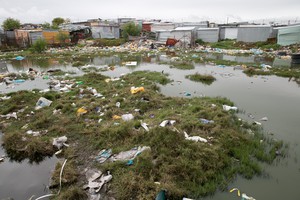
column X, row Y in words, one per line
column 22, row 180
column 263, row 96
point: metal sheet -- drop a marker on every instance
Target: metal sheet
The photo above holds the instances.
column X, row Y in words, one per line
column 208, row 34
column 254, row 34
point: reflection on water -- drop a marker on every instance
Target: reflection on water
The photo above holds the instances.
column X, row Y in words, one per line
column 21, row 180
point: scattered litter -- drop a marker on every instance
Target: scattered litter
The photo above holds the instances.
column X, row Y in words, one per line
column 58, row 152
column 145, row 126
column 245, row 197
column 2, row 158
column 133, row 63
column 257, row 123
column 186, row 198
column 95, row 185
column 33, row 133
column 213, row 105
column 129, row 162
column 25, row 126
column 167, row 122
column 118, row 104
column 251, row 116
column 187, row 94
column 135, row 90
column 264, row 119
column 19, row 81
column 10, row 115
column 206, row 121
column 227, row 108
column 19, row 58
column 5, row 97
column 236, row 189
column 60, row 178
column 60, row 142
column 116, row 117
column 81, row 111
column 127, row 117
column 93, row 174
column 94, row 91
column 161, row 195
column 194, row 138
column 130, row 154
column 42, row 102
column 103, row 155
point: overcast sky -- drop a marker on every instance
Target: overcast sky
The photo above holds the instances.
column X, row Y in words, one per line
column 39, row 11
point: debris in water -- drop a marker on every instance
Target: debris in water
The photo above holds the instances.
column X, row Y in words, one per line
column 264, row 119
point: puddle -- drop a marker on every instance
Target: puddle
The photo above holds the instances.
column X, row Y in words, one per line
column 21, row 180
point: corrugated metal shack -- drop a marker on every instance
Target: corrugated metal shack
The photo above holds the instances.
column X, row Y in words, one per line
column 162, row 36
column 162, row 26
column 254, row 33
column 208, row 34
column 186, row 35
column 288, row 35
column 10, row 37
column 51, row 36
column 34, row 36
column 228, row 32
column 77, row 32
column 197, row 25
column 1, row 37
column 106, row 31
column 22, row 37
column 146, row 26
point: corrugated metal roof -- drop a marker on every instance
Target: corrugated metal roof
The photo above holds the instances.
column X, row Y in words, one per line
column 208, row 29
column 254, row 26
column 72, row 27
column 187, row 28
column 287, row 27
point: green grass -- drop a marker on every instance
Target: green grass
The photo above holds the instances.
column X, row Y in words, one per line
column 203, row 78
column 225, row 44
column 282, row 72
column 183, row 168
column 182, row 65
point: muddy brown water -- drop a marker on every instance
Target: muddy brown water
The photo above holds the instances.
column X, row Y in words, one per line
column 262, row 96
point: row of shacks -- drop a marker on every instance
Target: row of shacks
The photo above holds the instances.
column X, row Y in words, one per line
column 187, row 33
column 285, row 35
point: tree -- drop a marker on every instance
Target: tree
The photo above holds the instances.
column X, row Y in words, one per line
column 39, row 46
column 131, row 29
column 56, row 22
column 46, row 25
column 11, row 24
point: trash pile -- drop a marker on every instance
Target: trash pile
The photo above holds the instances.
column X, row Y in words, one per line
column 207, row 49
column 96, row 183
column 128, row 156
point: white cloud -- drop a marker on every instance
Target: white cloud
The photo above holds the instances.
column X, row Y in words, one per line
column 213, row 10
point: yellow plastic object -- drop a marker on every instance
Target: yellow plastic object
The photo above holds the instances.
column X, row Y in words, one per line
column 135, row 90
column 81, row 111
column 115, row 117
column 238, row 191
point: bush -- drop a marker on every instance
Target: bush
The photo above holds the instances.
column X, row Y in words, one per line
column 130, row 29
column 62, row 37
column 39, row 46
column 200, row 41
column 109, row 42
